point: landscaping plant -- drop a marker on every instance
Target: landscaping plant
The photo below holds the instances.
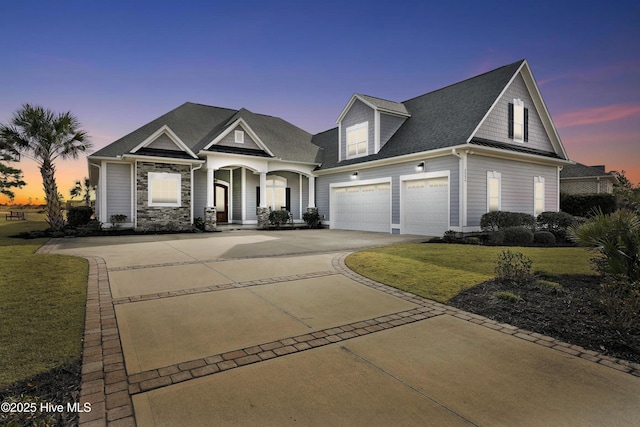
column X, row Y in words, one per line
column 513, row 267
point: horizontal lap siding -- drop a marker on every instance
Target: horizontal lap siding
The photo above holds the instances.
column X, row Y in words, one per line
column 119, row 191
column 449, row 163
column 517, row 186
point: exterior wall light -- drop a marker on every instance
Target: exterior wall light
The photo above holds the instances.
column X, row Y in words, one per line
column 420, row 167
column 354, row 175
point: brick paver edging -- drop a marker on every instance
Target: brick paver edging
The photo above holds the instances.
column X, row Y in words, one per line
column 534, row 337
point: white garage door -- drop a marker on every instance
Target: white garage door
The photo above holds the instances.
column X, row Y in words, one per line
column 362, row 207
column 425, row 206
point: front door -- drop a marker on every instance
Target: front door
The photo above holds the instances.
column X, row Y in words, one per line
column 222, row 203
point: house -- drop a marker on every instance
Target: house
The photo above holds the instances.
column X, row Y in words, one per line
column 423, row 166
column 582, row 179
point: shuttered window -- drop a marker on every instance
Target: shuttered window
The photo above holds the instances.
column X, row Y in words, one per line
column 518, row 121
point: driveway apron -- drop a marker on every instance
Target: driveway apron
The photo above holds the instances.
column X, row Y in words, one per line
column 271, row 328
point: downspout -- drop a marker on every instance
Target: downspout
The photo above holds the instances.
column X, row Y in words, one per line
column 192, row 198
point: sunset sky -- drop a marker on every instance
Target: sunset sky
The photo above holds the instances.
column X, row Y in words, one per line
column 117, row 65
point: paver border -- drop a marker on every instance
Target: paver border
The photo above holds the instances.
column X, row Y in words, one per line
column 106, row 385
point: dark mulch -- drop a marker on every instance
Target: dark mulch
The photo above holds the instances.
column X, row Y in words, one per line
column 571, row 314
column 58, row 386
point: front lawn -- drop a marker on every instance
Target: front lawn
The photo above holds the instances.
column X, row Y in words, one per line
column 42, row 304
column 441, row 271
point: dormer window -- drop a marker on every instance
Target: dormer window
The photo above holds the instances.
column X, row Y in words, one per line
column 357, row 140
column 518, row 121
column 239, row 137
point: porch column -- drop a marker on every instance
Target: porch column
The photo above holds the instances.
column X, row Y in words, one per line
column 262, row 212
column 210, row 209
column 312, row 191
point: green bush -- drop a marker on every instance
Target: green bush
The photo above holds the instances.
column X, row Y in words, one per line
column 497, row 220
column 495, row 238
column 279, row 217
column 513, row 267
column 586, row 204
column 548, row 285
column 79, row 215
column 312, row 219
column 472, row 240
column 620, row 299
column 507, row 296
column 518, row 235
column 450, row 236
column 555, row 222
column 544, row 238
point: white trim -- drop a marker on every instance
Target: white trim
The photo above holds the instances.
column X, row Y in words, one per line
column 172, row 136
column 238, row 136
column 154, row 159
column 243, row 189
column 423, row 176
column 239, row 123
column 517, row 102
column 300, row 195
column 558, row 188
column 370, row 105
column 498, row 176
column 230, row 217
column 376, row 131
column 340, row 142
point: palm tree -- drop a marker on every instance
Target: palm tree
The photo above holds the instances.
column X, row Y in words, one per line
column 82, row 188
column 45, row 136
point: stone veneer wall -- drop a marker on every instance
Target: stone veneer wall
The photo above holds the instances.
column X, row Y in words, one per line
column 162, row 218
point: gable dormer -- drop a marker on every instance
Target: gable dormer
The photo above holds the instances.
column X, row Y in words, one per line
column 164, row 140
column 239, row 137
column 366, row 124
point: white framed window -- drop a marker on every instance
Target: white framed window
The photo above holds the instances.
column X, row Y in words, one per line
column 164, row 189
column 276, row 192
column 538, row 195
column 494, row 191
column 239, row 136
column 357, row 140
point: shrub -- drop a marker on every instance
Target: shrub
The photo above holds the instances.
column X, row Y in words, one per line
column 79, row 215
column 312, row 219
column 517, row 235
column 587, row 204
column 497, row 220
column 507, row 296
column 548, row 285
column 92, row 227
column 450, row 236
column 495, row 238
column 279, row 217
column 198, row 223
column 544, row 238
column 472, row 240
column 615, row 238
column 513, row 267
column 555, row 222
column 117, row 220
column 620, row 299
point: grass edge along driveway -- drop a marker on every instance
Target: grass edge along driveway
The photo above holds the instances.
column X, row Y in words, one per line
column 441, row 271
column 42, row 304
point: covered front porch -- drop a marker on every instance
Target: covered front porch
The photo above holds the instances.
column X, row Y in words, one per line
column 236, row 186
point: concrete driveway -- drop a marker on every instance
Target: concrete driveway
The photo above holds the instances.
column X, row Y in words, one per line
column 270, row 328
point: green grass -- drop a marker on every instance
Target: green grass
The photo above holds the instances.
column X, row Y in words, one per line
column 441, row 271
column 42, row 303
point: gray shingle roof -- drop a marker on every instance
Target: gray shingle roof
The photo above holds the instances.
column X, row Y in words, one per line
column 197, row 125
column 443, row 118
column 383, row 104
column 582, row 171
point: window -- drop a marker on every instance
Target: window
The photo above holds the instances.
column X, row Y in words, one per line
column 493, row 191
column 538, row 195
column 164, row 189
column 239, row 136
column 276, row 192
column 357, row 137
column 518, row 121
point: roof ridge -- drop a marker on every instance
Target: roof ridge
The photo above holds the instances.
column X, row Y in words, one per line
column 466, row 80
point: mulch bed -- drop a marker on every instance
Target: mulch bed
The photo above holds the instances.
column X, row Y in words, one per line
column 58, row 386
column 571, row 314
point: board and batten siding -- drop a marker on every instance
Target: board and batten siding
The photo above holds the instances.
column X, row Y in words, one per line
column 119, row 191
column 517, row 182
column 199, row 192
column 496, row 125
column 358, row 113
column 438, row 164
column 236, row 195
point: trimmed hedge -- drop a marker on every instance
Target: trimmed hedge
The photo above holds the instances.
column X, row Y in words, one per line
column 584, row 204
column 518, row 235
column 79, row 215
column 555, row 222
column 498, row 220
column 544, row 238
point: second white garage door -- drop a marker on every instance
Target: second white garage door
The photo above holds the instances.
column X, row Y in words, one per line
column 425, row 206
column 361, row 207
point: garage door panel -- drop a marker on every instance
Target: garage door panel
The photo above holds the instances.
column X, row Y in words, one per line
column 362, row 207
column 425, row 206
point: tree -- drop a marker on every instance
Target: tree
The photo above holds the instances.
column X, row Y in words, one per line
column 627, row 195
column 45, row 136
column 9, row 177
column 82, row 188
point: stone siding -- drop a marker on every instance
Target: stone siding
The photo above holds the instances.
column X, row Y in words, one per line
column 158, row 217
